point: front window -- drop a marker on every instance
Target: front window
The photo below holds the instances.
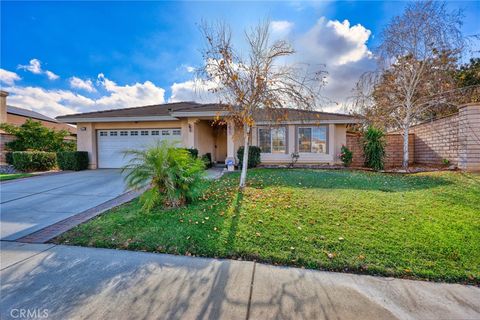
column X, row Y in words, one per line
column 312, row 139
column 272, row 140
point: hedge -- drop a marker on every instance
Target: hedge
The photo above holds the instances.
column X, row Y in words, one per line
column 253, row 156
column 34, row 160
column 72, row 160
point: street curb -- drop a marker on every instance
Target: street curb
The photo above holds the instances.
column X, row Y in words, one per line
column 48, row 233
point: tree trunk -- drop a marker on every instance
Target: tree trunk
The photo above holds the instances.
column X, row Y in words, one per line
column 405, row 147
column 243, row 176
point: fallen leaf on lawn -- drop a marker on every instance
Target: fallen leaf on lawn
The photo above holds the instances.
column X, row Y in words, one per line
column 341, row 238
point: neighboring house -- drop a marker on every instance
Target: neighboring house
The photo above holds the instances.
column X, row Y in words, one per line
column 17, row 116
column 317, row 136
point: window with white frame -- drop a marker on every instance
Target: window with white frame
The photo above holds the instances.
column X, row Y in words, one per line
column 134, row 133
column 165, row 132
column 272, row 140
column 155, row 132
column 103, row 133
column 176, row 132
column 124, row 133
column 312, row 139
column 144, row 133
column 113, row 133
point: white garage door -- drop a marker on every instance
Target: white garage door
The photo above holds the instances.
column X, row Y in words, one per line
column 111, row 144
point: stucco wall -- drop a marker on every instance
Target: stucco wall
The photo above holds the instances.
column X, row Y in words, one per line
column 87, row 140
column 205, row 138
column 336, row 137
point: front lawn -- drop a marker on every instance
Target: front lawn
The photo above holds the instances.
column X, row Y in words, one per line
column 11, row 176
column 418, row 226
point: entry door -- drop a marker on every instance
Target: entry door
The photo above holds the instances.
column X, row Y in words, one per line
column 111, row 144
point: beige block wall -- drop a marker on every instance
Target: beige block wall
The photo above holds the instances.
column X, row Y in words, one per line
column 436, row 140
column 469, row 137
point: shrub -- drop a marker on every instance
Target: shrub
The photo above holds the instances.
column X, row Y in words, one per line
column 32, row 135
column 193, row 152
column 34, row 160
column 346, row 156
column 72, row 160
column 207, row 159
column 253, row 156
column 374, row 148
column 172, row 175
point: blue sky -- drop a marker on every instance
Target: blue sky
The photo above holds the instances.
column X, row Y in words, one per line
column 64, row 57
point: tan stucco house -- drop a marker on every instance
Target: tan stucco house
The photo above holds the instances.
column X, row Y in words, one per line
column 316, row 136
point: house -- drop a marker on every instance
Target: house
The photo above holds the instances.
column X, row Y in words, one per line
column 316, row 136
column 17, row 116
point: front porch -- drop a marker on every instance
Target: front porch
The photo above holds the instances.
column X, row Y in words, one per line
column 210, row 136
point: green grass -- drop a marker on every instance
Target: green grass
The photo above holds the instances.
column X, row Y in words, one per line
column 424, row 226
column 11, row 176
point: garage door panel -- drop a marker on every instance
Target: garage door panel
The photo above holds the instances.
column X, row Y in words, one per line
column 111, row 144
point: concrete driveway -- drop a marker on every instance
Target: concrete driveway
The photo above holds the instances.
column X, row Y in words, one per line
column 28, row 205
column 87, row 283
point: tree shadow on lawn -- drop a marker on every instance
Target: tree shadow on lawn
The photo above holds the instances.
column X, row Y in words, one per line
column 340, row 179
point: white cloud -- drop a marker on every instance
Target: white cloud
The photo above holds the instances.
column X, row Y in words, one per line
column 8, row 77
column 190, row 69
column 281, row 27
column 54, row 102
column 193, row 90
column 343, row 49
column 35, row 66
column 129, row 95
column 78, row 83
column 48, row 102
column 51, row 75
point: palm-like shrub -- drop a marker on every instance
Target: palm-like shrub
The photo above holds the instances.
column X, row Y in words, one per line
column 171, row 175
column 374, row 148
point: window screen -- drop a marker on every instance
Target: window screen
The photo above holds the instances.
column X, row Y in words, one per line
column 272, row 140
column 312, row 139
column 264, row 140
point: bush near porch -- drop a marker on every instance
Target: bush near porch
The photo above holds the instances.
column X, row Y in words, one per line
column 422, row 226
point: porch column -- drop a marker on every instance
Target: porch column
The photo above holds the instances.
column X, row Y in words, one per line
column 331, row 142
column 230, row 160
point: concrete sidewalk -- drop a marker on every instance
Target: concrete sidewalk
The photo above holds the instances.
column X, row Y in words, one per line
column 87, row 283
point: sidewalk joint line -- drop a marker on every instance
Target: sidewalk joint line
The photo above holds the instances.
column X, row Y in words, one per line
column 36, row 254
column 251, row 291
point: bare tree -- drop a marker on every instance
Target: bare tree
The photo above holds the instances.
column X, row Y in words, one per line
column 256, row 81
column 416, row 62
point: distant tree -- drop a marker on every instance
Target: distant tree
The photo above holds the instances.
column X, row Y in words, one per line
column 468, row 74
column 467, row 78
column 257, row 81
column 416, row 60
column 32, row 135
